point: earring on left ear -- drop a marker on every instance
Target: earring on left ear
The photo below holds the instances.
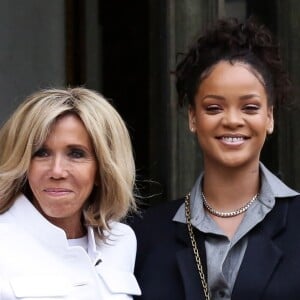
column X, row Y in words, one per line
column 270, row 130
column 192, row 122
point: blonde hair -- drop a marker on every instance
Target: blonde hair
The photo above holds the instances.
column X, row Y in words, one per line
column 27, row 129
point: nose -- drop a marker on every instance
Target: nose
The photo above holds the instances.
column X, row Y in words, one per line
column 233, row 118
column 58, row 167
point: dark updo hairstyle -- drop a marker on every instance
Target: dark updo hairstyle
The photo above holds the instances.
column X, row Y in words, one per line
column 229, row 40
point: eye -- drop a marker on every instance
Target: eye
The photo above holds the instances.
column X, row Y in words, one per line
column 42, row 152
column 251, row 108
column 213, row 109
column 76, row 153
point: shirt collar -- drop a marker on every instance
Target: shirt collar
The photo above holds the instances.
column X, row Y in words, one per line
column 26, row 216
column 274, row 185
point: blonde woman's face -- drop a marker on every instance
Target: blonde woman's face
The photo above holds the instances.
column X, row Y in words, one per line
column 62, row 174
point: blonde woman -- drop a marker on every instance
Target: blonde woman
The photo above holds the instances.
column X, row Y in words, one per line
column 66, row 180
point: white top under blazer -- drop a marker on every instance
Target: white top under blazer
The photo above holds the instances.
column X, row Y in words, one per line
column 36, row 261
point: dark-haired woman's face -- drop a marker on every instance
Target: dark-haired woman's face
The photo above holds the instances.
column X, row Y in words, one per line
column 231, row 116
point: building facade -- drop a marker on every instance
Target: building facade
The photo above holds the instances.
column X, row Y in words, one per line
column 127, row 51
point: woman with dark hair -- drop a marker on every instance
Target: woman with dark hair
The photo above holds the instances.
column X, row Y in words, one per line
column 234, row 235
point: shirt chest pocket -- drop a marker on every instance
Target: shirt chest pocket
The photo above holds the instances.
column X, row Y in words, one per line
column 119, row 282
column 40, row 287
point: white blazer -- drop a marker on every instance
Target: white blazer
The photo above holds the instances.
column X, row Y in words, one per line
column 36, row 261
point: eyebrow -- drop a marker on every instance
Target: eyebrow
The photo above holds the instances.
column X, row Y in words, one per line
column 249, row 96
column 83, row 147
column 218, row 97
column 70, row 146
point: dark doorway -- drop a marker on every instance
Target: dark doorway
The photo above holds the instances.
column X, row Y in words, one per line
column 125, row 44
column 123, row 33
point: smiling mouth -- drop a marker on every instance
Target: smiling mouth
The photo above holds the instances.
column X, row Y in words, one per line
column 57, row 190
column 233, row 139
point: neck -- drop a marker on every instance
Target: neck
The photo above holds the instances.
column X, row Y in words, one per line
column 231, row 188
column 72, row 229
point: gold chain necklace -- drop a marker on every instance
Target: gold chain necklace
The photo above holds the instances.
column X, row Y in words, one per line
column 229, row 214
column 187, row 204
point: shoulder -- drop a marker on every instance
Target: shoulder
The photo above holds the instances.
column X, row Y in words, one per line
column 121, row 229
column 292, row 202
column 295, row 200
column 6, row 217
column 156, row 222
column 9, row 227
column 293, row 207
column 118, row 253
column 165, row 210
column 286, row 213
column 119, row 249
column 121, row 235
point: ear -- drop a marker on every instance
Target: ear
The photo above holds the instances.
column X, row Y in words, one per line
column 192, row 118
column 270, row 125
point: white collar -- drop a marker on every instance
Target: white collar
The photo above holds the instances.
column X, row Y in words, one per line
column 26, row 216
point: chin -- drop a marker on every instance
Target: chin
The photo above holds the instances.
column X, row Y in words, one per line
column 239, row 163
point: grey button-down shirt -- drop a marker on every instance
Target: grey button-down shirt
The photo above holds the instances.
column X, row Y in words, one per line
column 225, row 256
